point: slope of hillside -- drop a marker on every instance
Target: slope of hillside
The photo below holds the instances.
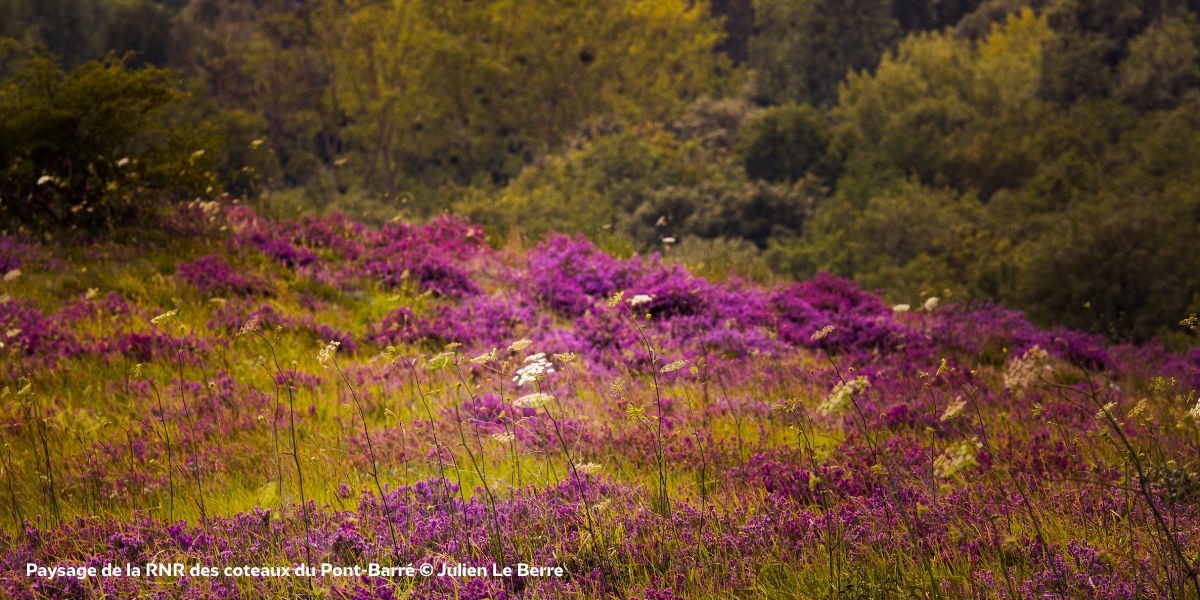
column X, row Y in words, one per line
column 264, row 394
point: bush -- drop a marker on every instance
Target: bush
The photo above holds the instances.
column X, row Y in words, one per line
column 785, row 143
column 94, row 147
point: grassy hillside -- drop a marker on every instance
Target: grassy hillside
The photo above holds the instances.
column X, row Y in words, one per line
column 238, row 391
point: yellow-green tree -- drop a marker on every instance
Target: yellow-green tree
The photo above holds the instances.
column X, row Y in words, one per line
column 471, row 91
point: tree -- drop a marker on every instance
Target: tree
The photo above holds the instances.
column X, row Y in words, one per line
column 93, row 147
column 785, row 143
column 947, row 111
column 471, row 91
column 804, row 48
column 1163, row 65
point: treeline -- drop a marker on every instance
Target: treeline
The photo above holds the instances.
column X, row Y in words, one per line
column 1041, row 153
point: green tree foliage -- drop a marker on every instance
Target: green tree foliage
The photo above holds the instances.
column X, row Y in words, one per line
column 805, row 47
column 1094, row 37
column 267, row 65
column 947, row 111
column 591, row 187
column 66, row 28
column 93, row 147
column 752, row 211
column 1163, row 65
column 960, row 180
column 785, row 143
column 471, row 91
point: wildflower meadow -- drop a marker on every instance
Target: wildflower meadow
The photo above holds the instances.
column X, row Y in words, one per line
column 258, row 407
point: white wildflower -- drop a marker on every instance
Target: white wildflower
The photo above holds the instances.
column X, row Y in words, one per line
column 1106, row 410
column 1195, row 411
column 640, row 299
column 616, row 389
column 534, row 400
column 12, row 333
column 901, row 308
column 124, row 161
column 44, row 179
column 669, row 240
column 536, row 368
column 163, row 318
column 674, row 366
column 932, row 303
column 326, row 353
column 249, row 327
column 506, row 437
column 12, row 275
column 958, row 458
column 588, row 468
column 91, row 293
column 485, row 357
column 821, row 333
column 519, row 345
column 842, row 396
column 954, row 409
column 1023, row 372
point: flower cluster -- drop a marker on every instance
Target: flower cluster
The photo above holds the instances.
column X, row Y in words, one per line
column 536, row 368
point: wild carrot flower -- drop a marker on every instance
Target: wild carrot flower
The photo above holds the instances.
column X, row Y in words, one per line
column 932, row 303
column 901, row 308
column 1195, row 411
column 822, row 333
column 536, row 368
column 504, row 438
column 674, row 366
column 519, row 345
column 1023, row 372
column 958, row 458
column 249, row 327
column 163, row 318
column 616, row 389
column 954, row 409
column 534, row 400
column 640, row 299
column 326, row 354
column 588, row 468
column 485, row 357
column 12, row 275
column 843, row 394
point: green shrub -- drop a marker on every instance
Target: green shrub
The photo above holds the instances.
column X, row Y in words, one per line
column 94, row 147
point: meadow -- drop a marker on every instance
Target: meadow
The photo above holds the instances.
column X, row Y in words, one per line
column 238, row 392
